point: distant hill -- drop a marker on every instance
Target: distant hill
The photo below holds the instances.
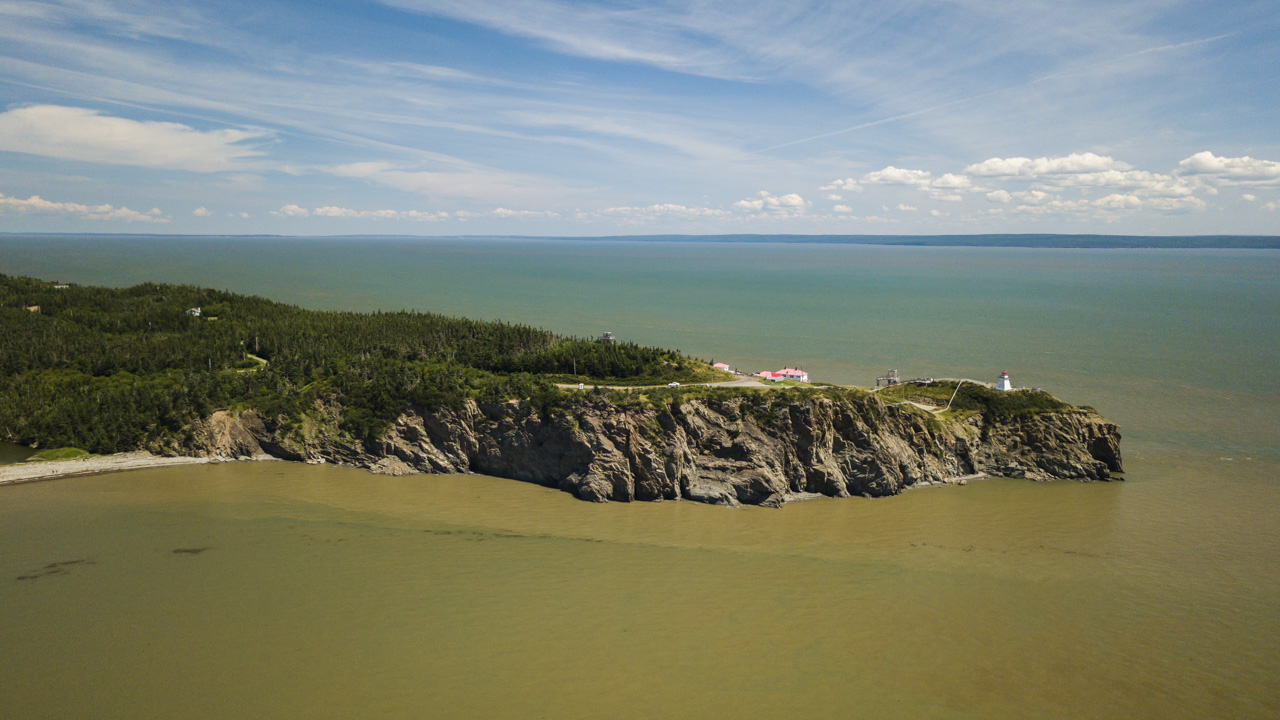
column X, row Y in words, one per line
column 1027, row 241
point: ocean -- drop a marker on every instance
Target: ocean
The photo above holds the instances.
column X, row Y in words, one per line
column 330, row 592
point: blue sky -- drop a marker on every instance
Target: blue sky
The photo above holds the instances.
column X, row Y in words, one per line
column 555, row 117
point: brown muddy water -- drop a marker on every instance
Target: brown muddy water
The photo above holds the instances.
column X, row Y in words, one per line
column 283, row 590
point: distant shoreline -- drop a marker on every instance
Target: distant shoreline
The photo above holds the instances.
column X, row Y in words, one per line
column 1011, row 240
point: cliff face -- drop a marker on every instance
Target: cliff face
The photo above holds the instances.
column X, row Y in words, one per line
column 723, row 452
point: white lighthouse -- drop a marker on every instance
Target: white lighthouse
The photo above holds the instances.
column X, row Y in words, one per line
column 1003, row 383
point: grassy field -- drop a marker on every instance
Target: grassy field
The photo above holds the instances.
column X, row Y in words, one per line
column 972, row 398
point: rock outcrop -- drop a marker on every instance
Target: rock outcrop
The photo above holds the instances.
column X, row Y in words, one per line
column 753, row 450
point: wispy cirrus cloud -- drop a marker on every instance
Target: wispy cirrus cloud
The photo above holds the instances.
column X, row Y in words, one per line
column 476, row 184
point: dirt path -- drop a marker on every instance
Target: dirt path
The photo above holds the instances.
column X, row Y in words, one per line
column 737, row 382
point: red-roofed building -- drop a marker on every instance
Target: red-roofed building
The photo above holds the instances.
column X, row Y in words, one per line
column 793, row 374
column 783, row 374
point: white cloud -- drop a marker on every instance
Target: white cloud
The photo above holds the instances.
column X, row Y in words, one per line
column 1174, row 203
column 1232, row 171
column 1273, row 205
column 38, row 205
column 1141, row 181
column 898, row 176
column 505, row 213
column 938, row 213
column 951, row 181
column 941, row 188
column 1117, row 201
column 524, row 214
column 334, row 211
column 833, row 196
column 291, row 211
column 202, row 212
column 1250, row 197
column 72, row 133
column 847, row 185
column 1039, row 167
column 1106, row 208
column 1121, row 188
column 790, row 204
column 665, row 210
column 906, row 208
column 842, row 209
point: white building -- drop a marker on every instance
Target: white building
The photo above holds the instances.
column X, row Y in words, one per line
column 194, row 312
column 1004, row 383
column 794, row 374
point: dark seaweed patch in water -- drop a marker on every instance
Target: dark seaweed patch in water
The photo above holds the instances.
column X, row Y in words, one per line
column 53, row 568
column 190, row 551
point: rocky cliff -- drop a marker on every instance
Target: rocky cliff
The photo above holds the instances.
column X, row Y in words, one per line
column 750, row 449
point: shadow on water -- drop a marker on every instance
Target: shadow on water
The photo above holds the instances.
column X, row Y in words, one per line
column 11, row 453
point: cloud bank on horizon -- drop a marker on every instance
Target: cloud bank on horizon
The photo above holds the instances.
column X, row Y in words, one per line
column 558, row 117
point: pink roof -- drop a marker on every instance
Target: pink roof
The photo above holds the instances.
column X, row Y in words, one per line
column 790, row 371
column 722, row 366
column 766, row 373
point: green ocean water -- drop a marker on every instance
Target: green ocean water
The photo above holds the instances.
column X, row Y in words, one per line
column 334, row 593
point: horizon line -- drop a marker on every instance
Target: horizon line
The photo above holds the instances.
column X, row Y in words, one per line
column 10, row 233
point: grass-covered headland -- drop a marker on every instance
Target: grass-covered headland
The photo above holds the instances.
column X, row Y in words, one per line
column 972, row 398
column 109, row 370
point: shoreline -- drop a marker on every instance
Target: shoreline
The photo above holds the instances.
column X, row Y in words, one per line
column 25, row 472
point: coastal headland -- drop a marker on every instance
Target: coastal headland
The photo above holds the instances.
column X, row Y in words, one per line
column 720, row 447
column 192, row 375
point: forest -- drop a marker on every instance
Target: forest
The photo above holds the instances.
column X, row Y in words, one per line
column 109, row 370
